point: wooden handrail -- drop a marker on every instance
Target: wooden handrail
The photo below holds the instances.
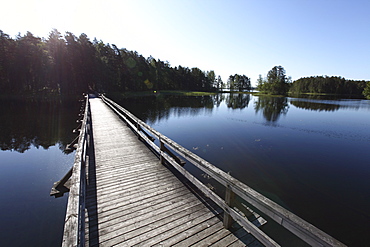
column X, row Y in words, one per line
column 299, row 227
column 74, row 226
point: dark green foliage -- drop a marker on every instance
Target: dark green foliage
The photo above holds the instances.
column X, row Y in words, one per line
column 366, row 91
column 239, row 82
column 327, row 85
column 70, row 65
column 219, row 84
column 276, row 83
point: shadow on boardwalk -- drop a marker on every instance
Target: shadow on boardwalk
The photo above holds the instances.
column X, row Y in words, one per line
column 92, row 224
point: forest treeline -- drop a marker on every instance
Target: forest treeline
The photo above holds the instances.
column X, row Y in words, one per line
column 277, row 83
column 70, row 65
column 329, row 85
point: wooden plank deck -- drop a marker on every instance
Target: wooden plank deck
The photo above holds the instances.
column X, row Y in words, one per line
column 132, row 199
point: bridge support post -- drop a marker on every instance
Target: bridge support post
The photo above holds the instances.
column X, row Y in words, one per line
column 163, row 149
column 138, row 129
column 229, row 199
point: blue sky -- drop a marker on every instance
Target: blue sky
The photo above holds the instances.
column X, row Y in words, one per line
column 316, row 37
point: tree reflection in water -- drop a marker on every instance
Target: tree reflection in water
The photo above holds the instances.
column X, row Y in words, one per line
column 271, row 107
column 41, row 124
column 151, row 109
column 314, row 106
column 238, row 101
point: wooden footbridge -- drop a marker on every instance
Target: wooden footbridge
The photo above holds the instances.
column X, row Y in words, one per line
column 128, row 187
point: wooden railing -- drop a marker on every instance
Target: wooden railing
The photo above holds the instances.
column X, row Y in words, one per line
column 304, row 230
column 74, row 225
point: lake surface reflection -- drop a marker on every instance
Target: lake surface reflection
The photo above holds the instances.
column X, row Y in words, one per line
column 32, row 139
column 309, row 155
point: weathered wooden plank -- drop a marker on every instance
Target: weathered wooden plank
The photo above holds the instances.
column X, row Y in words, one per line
column 170, row 228
column 62, row 186
column 108, row 180
column 173, row 228
column 132, row 158
column 125, row 170
column 140, row 195
column 137, row 191
column 145, row 213
column 118, row 187
column 224, row 241
column 200, row 234
column 116, row 160
column 140, row 206
column 134, row 198
column 194, row 233
column 129, row 175
column 116, row 233
column 209, row 239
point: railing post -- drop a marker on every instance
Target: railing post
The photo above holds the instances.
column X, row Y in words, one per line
column 137, row 129
column 229, row 198
column 162, row 148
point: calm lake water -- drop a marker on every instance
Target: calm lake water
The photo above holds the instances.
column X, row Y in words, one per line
column 309, row 155
column 32, row 137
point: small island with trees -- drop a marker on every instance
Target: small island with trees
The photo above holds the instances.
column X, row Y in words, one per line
column 68, row 65
column 277, row 83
